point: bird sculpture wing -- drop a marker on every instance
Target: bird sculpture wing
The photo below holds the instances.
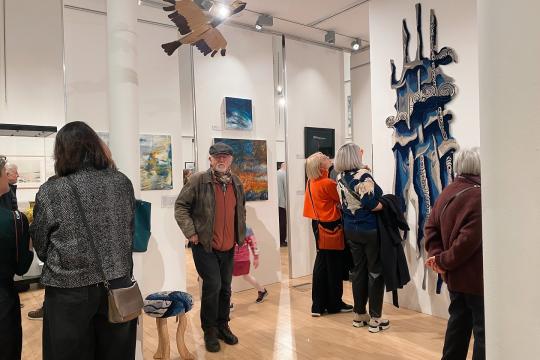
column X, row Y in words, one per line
column 186, row 15
column 211, row 42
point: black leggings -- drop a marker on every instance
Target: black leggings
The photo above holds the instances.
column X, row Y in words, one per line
column 10, row 323
column 75, row 326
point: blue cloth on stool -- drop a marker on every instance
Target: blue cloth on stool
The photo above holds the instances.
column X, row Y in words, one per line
column 167, row 304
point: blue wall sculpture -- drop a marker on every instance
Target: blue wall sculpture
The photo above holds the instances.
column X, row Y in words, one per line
column 423, row 146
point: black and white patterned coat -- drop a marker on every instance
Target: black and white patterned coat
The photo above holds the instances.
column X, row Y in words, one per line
column 60, row 239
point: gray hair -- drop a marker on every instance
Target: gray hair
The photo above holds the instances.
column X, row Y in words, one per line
column 313, row 165
column 467, row 162
column 11, row 167
column 3, row 162
column 348, row 158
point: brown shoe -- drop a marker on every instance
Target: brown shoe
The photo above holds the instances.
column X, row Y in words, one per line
column 35, row 314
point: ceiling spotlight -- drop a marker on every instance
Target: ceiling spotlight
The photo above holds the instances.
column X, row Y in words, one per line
column 282, row 101
column 279, row 89
column 330, row 37
column 264, row 20
column 222, row 11
column 356, row 44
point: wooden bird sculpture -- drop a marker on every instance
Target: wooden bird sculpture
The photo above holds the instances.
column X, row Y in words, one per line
column 198, row 29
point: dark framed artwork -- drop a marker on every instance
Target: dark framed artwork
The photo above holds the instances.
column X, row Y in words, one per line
column 319, row 139
column 238, row 114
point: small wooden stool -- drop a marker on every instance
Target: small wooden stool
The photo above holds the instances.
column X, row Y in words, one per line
column 163, row 305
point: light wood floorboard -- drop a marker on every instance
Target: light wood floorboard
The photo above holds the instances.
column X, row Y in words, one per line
column 282, row 328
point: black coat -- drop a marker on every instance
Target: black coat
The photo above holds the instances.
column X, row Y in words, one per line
column 390, row 220
column 8, row 201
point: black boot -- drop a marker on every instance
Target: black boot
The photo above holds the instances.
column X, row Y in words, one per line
column 211, row 340
column 225, row 334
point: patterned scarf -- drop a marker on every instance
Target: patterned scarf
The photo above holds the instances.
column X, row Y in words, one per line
column 222, row 178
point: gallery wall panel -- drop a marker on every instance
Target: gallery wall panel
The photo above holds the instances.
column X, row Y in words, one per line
column 457, row 28
column 314, row 99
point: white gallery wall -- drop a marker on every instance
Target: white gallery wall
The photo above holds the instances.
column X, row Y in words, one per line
column 361, row 101
column 314, row 86
column 246, row 72
column 163, row 265
column 457, row 28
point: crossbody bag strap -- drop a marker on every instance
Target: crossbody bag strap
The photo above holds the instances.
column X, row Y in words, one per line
column 455, row 196
column 88, row 231
column 349, row 189
column 312, row 203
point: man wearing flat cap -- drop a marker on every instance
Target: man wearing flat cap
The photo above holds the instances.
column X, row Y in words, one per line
column 211, row 213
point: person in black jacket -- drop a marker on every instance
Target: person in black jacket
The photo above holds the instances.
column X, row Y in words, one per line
column 15, row 258
column 9, row 200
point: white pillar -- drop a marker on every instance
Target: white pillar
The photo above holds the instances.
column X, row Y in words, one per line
column 510, row 138
column 123, row 101
column 124, row 87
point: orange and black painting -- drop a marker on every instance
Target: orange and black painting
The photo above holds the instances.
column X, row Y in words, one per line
column 250, row 165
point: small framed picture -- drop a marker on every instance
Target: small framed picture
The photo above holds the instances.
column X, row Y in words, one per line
column 189, row 165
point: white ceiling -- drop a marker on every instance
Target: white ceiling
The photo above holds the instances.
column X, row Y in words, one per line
column 354, row 22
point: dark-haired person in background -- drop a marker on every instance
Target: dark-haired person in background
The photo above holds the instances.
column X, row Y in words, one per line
column 15, row 258
column 75, row 323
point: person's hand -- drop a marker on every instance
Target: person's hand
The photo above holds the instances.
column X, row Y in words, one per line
column 430, row 263
column 256, row 262
column 194, row 239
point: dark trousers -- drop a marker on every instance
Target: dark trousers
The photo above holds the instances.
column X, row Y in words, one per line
column 327, row 288
column 367, row 278
column 282, row 226
column 466, row 316
column 215, row 269
column 10, row 323
column 75, row 326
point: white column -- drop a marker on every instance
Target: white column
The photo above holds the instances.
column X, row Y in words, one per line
column 124, row 87
column 123, row 102
column 510, row 137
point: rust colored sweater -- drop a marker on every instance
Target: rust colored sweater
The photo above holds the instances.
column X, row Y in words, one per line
column 325, row 199
column 224, row 218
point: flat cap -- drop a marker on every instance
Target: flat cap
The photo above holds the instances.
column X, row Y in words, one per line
column 220, row 149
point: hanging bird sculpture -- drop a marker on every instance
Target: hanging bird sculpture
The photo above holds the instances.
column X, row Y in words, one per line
column 197, row 28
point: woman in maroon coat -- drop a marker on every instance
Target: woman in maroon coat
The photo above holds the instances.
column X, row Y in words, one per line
column 453, row 238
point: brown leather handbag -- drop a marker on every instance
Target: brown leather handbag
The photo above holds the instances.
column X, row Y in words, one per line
column 125, row 303
column 327, row 239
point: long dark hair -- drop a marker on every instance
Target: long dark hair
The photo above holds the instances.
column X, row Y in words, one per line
column 78, row 147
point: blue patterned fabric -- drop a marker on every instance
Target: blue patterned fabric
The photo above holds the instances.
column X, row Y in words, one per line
column 167, row 304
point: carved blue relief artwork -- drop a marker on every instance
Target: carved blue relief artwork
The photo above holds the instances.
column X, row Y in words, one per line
column 423, row 146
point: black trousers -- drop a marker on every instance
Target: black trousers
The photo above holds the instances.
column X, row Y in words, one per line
column 10, row 323
column 75, row 326
column 215, row 269
column 282, row 226
column 466, row 317
column 327, row 288
column 367, row 278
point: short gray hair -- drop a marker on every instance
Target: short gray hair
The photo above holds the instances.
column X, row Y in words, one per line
column 313, row 165
column 467, row 162
column 11, row 166
column 348, row 158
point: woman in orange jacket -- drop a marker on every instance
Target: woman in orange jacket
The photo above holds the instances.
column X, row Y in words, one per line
column 321, row 202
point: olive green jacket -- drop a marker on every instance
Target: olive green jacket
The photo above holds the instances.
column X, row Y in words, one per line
column 194, row 209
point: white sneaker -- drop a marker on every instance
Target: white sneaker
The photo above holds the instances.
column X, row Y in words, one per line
column 360, row 320
column 378, row 324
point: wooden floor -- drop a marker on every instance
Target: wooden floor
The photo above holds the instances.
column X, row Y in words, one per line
column 281, row 328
